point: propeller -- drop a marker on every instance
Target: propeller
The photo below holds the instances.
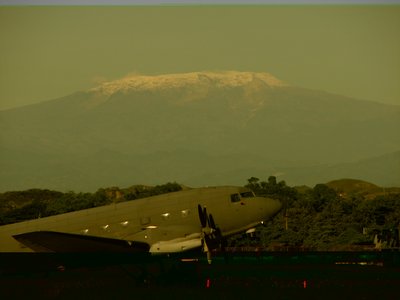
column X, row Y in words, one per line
column 211, row 234
column 202, row 216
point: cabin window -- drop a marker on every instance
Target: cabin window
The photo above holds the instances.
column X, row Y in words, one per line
column 184, row 213
column 248, row 194
column 235, row 198
column 124, row 223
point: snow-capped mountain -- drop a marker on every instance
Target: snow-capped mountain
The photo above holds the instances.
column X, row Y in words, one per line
column 199, row 128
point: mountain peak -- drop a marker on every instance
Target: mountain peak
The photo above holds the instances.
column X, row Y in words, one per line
column 138, row 82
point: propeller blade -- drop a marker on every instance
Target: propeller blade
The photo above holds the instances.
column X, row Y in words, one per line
column 211, row 234
column 218, row 233
column 202, row 216
column 211, row 222
column 207, row 220
column 221, row 240
column 210, row 241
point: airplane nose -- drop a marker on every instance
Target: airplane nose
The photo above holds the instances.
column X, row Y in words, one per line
column 277, row 205
column 273, row 205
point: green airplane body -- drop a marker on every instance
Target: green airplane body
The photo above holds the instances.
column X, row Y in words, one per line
column 161, row 224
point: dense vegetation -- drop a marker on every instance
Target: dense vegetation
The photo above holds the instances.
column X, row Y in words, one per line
column 341, row 215
column 37, row 203
column 324, row 218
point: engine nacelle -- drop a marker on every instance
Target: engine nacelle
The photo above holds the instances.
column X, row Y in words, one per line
column 176, row 245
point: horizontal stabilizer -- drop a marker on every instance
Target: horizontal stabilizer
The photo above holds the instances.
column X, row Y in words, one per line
column 51, row 241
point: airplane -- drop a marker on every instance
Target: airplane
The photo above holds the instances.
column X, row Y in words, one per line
column 167, row 223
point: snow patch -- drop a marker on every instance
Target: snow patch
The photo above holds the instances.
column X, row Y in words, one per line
column 227, row 79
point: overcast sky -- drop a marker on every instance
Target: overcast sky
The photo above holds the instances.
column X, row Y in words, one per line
column 133, row 2
column 48, row 52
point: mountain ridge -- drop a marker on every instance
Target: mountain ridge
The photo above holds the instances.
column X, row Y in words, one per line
column 187, row 132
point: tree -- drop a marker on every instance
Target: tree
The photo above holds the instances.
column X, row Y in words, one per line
column 322, row 194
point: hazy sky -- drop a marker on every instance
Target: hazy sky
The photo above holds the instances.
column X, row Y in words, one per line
column 48, row 52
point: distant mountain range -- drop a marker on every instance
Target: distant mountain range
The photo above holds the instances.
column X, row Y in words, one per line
column 202, row 128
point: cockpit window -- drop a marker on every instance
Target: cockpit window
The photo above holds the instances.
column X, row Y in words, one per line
column 248, row 194
column 235, row 198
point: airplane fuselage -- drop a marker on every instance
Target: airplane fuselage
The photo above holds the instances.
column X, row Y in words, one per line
column 155, row 219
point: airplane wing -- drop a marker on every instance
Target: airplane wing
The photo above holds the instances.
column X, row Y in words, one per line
column 51, row 241
column 153, row 239
column 61, row 242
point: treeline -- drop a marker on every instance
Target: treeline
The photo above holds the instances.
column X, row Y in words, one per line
column 37, row 203
column 322, row 218
column 318, row 218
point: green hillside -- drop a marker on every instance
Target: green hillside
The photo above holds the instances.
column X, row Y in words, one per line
column 347, row 188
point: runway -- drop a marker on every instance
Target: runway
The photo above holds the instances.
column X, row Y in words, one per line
column 238, row 275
